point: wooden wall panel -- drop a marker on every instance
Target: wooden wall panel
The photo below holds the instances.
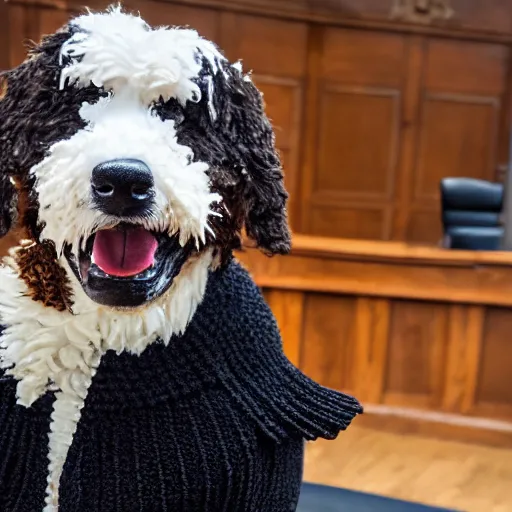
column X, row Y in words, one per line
column 346, row 168
column 458, row 138
column 458, row 124
column 371, row 346
column 463, row 357
column 416, row 354
column 494, row 389
column 328, row 345
column 432, row 349
column 368, row 116
column 280, row 75
column 352, row 221
column 482, row 14
column 288, row 309
column 356, row 135
column 357, row 57
column 485, row 15
column 205, row 21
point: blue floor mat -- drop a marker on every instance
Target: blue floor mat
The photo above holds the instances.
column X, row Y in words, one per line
column 320, row 498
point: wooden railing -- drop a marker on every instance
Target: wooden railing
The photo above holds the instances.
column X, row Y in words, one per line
column 421, row 335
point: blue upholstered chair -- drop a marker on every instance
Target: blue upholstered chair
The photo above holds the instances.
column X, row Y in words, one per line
column 471, row 214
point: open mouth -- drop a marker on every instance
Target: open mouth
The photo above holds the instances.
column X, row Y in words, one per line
column 128, row 266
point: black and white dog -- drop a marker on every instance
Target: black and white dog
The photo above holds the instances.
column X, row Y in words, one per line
column 136, row 157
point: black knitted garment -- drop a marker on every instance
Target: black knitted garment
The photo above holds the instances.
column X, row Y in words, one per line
column 214, row 421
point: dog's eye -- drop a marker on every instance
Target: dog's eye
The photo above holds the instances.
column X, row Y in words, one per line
column 169, row 110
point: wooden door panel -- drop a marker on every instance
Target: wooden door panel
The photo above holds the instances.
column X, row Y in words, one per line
column 459, row 122
column 355, row 133
column 458, row 138
column 357, row 144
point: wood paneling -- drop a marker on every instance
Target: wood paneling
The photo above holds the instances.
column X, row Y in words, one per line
column 491, row 15
column 280, row 76
column 351, row 221
column 346, row 169
column 457, row 139
column 416, row 354
column 369, row 113
column 288, row 309
column 327, row 353
column 206, row 21
column 350, row 188
column 371, row 342
column 418, row 334
column 363, row 58
column 458, row 125
column 463, row 357
column 458, row 67
column 496, row 359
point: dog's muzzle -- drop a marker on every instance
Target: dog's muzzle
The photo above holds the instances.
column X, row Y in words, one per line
column 123, row 187
column 126, row 264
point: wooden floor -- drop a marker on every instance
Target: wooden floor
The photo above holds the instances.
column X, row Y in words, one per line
column 466, row 477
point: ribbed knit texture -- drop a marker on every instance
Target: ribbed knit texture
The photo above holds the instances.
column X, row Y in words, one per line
column 214, row 421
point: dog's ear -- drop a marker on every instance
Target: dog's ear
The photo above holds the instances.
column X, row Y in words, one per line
column 228, row 129
column 8, row 205
column 262, row 188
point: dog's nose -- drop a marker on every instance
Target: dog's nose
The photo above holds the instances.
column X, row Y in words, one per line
column 122, row 187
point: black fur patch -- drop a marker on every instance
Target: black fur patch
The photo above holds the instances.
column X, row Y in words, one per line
column 35, row 115
column 245, row 168
column 8, row 205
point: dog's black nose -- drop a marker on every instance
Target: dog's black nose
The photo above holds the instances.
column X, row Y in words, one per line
column 122, row 187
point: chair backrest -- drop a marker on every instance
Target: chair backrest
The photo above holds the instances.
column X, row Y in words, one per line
column 471, row 213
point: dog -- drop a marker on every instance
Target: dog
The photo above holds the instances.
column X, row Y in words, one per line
column 135, row 160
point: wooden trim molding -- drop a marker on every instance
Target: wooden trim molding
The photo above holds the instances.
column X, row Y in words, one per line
column 331, row 13
column 393, row 252
column 422, row 11
column 334, row 13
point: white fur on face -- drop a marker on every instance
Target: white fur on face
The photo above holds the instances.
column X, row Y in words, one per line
column 120, row 127
column 114, row 49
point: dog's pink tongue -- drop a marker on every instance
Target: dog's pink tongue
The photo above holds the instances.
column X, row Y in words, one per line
column 124, row 252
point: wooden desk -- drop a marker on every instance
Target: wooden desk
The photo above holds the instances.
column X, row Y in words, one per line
column 423, row 336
